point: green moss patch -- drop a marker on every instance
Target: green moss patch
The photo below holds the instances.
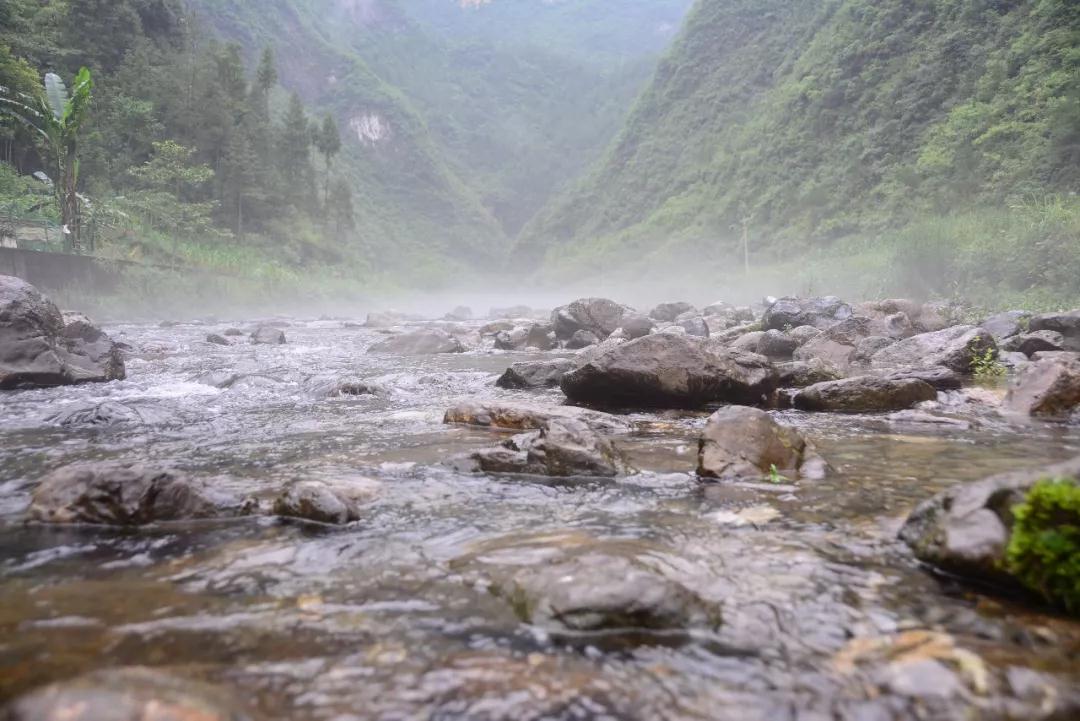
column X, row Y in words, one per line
column 1044, row 550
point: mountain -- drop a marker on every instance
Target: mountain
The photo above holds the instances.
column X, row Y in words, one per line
column 805, row 121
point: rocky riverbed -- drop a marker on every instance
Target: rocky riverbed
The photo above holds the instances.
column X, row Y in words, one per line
column 375, row 519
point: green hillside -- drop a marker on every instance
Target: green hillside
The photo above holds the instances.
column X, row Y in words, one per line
column 813, row 121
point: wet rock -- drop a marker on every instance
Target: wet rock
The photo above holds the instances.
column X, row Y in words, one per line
column 120, row 494
column 940, row 378
column 1031, row 343
column 216, row 339
column 719, row 308
column 125, row 694
column 496, row 326
column 800, row 374
column 535, row 374
column 823, row 349
column 776, row 344
column 524, row 417
column 1068, row 324
column 570, row 447
column 38, row 350
column 232, row 332
column 867, row 347
column 598, row 315
column 695, row 326
column 1047, row 388
column 1007, row 324
column 582, row 339
column 668, row 371
column 955, row 348
column 511, row 339
column 637, row 326
column 420, row 342
column 268, row 335
column 792, row 312
column 803, row 334
column 748, row 342
column 460, row 313
column 516, row 311
column 965, row 529
column 332, row 503
column 108, row 414
column 218, row 379
column 541, row 336
column 670, row 311
column 746, row 443
column 386, row 319
column 336, row 387
column 602, row 592
column 865, row 394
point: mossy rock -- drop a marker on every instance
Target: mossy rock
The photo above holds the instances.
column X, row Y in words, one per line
column 1044, row 548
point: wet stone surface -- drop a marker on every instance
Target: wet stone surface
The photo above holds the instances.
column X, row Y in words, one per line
column 789, row 600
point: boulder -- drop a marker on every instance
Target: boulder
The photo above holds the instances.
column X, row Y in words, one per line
column 605, row 592
column 38, row 350
column 541, row 336
column 514, row 311
column 955, row 348
column 940, row 378
column 460, row 313
column 1031, row 343
column 864, row 394
column 232, row 332
column 598, row 315
column 524, row 417
column 122, row 494
column 496, row 326
column 582, row 339
column 823, row 349
column 1047, row 388
column 514, row 339
column 332, row 503
column 216, row 339
column 792, row 312
column 385, row 319
column 965, row 529
column 535, row 374
column 419, row 342
column 803, row 334
column 125, row 694
column 108, row 414
column 1068, row 324
column 268, row 335
column 695, row 326
column 1006, row 325
column 746, row 443
column 669, row 371
column 670, row 311
column 748, row 342
column 570, row 447
column 867, row 347
column 776, row 344
column 636, row 326
column 799, row 374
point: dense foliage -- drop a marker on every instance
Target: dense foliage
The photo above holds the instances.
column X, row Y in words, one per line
column 1044, row 550
column 807, row 122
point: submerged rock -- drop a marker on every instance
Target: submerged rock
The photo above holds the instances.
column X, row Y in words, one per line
column 865, row 394
column 670, row 371
column 524, row 417
column 268, row 335
column 216, row 339
column 108, row 414
column 121, row 494
column 562, row 448
column 420, row 342
column 333, row 503
column 126, row 694
column 603, row 592
column 746, row 443
column 1048, row 388
column 535, row 374
column 38, row 350
column 965, row 529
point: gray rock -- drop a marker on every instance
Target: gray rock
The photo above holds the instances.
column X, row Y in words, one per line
column 670, row 311
column 511, row 339
column 38, row 350
column 598, row 315
column 525, row 417
column 669, row 371
column 541, row 336
column 803, row 334
column 637, row 326
column 940, row 378
column 867, row 347
column 108, row 414
column 268, row 335
column 1007, row 324
column 420, row 342
column 823, row 349
column 865, row 394
column 746, row 443
column 1068, row 324
column 232, row 332
column 776, row 344
column 332, row 503
column 748, row 342
column 535, row 374
column 1031, row 343
column 965, row 529
column 799, row 374
column 120, row 494
column 955, row 348
column 570, row 447
column 603, row 592
column 126, row 694
column 216, row 339
column 460, row 313
column 695, row 326
column 1046, row 388
column 582, row 339
column 792, row 312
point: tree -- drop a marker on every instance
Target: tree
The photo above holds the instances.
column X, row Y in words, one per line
column 57, row 117
column 328, row 143
column 340, row 206
column 294, row 153
column 240, row 181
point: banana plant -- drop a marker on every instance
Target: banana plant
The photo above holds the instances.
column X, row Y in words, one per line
column 57, row 116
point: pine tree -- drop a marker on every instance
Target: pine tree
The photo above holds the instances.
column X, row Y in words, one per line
column 328, row 143
column 294, row 154
column 340, row 206
column 240, row 186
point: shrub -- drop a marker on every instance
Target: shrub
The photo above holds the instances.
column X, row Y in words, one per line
column 1044, row 550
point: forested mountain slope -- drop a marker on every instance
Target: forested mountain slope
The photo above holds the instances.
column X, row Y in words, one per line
column 809, row 120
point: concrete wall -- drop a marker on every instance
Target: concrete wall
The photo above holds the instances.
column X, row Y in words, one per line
column 55, row 271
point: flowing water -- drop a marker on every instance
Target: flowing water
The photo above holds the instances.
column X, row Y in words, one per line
column 825, row 614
